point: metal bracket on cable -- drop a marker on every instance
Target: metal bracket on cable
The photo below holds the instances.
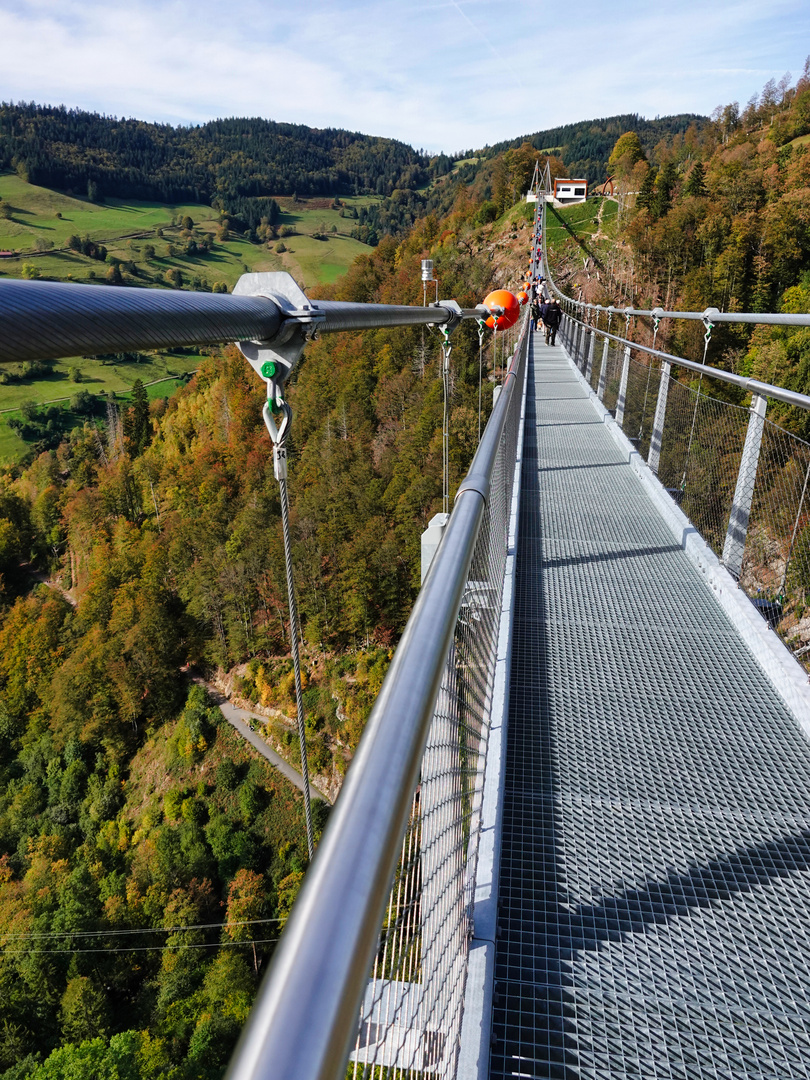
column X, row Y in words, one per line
column 657, row 315
column 274, row 361
column 455, row 311
column 708, row 315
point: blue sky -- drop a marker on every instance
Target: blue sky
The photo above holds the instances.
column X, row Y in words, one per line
column 439, row 74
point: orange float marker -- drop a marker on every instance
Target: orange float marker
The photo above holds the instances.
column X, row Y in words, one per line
column 501, row 298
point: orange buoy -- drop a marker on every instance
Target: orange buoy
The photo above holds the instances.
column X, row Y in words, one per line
column 500, row 298
column 523, row 298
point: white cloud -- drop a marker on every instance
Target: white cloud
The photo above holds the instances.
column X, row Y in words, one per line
column 447, row 74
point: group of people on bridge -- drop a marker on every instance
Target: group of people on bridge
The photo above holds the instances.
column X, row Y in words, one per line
column 546, row 314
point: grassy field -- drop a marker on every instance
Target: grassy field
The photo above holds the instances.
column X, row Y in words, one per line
column 97, row 377
column 34, row 221
column 13, row 448
column 162, row 373
column 319, row 250
column 579, row 219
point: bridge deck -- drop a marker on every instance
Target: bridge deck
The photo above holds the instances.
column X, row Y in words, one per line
column 654, row 914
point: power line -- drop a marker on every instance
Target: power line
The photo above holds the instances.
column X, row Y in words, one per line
column 140, row 948
column 35, row 936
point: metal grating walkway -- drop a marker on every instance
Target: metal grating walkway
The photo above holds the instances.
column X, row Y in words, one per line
column 654, row 915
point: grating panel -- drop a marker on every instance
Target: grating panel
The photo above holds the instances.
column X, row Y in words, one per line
column 654, row 917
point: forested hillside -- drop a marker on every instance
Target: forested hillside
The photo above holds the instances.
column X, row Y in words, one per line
column 147, row 857
column 585, row 147
column 720, row 217
column 227, row 161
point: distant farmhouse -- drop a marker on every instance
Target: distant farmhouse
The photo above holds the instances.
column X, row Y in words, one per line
column 570, row 191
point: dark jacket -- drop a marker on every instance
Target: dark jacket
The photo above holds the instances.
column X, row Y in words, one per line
column 551, row 315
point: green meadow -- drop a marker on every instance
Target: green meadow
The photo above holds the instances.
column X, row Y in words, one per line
column 317, row 249
column 162, row 373
column 44, row 218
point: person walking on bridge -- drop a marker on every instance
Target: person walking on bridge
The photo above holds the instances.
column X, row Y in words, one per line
column 551, row 314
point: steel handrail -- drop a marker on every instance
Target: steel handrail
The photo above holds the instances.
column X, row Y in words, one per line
column 750, row 386
column 306, row 1013
column 712, row 315
column 709, row 316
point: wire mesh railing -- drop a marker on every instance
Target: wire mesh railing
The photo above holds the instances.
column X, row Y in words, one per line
column 741, row 479
column 370, row 977
column 410, row 1022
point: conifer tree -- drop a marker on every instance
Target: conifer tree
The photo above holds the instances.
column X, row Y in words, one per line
column 646, row 194
column 140, row 431
column 664, row 186
column 696, row 182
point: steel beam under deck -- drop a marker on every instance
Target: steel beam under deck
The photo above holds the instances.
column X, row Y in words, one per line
column 654, row 914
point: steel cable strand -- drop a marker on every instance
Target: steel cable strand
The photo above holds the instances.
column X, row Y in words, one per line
column 706, row 340
column 299, row 693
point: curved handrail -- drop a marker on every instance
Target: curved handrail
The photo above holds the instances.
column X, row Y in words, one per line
column 326, row 952
column 710, row 315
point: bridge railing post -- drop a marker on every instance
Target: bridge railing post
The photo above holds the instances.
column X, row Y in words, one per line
column 589, row 362
column 580, row 345
column 622, row 398
column 600, row 389
column 654, row 456
column 734, row 545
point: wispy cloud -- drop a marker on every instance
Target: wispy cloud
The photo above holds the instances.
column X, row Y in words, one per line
column 447, row 74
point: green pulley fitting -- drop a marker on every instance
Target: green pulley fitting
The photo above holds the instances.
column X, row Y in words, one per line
column 268, row 369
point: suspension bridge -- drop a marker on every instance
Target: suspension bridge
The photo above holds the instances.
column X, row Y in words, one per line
column 575, row 838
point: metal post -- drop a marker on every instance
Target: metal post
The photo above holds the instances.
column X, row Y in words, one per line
column 446, row 350
column 577, row 336
column 591, row 347
column 600, row 390
column 734, row 545
column 623, row 387
column 654, row 456
column 430, row 540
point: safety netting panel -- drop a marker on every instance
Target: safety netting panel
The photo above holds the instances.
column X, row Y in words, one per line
column 701, row 451
column 410, row 1025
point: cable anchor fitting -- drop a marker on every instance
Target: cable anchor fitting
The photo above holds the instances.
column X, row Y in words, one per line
column 707, row 322
column 278, row 433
